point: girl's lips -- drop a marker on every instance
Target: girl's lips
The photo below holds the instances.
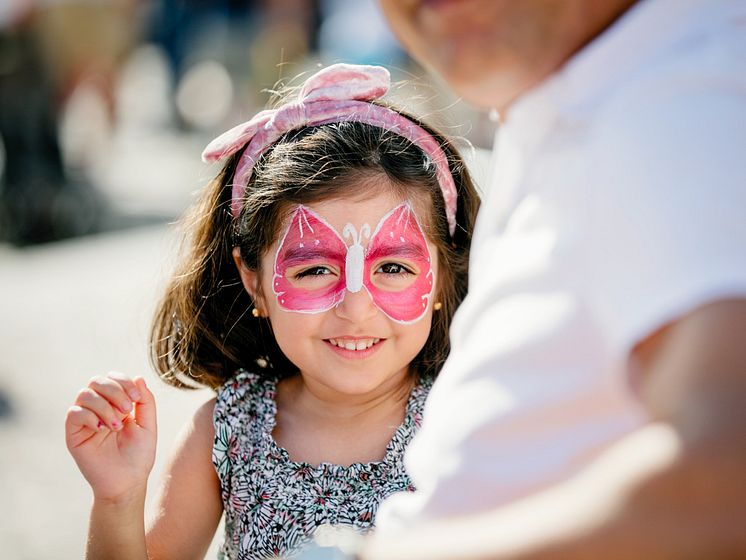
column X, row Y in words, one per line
column 357, row 344
column 354, row 348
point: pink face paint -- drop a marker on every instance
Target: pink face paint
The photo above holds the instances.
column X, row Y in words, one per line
column 310, row 243
column 398, row 238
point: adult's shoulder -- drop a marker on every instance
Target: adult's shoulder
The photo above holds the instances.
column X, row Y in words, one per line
column 682, row 114
column 666, row 197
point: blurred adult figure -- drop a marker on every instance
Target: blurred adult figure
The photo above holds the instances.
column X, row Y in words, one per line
column 47, row 49
column 594, row 402
column 33, row 177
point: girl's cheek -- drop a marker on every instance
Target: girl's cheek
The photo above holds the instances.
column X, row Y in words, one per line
column 398, row 283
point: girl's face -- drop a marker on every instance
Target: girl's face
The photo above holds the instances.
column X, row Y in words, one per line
column 348, row 289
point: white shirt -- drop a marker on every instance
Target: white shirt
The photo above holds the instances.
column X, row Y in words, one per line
column 618, row 204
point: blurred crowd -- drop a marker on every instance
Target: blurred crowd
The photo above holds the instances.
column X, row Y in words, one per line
column 101, row 99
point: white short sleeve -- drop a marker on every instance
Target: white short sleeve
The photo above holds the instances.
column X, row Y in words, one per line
column 670, row 216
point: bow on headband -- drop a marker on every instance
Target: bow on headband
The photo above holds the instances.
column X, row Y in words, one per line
column 338, row 93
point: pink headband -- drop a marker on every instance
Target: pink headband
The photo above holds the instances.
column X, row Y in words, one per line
column 340, row 92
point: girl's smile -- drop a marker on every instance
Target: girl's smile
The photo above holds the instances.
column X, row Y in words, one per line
column 355, row 348
column 351, row 343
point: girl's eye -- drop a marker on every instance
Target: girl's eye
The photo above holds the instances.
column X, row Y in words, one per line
column 394, row 276
column 393, row 268
column 313, row 271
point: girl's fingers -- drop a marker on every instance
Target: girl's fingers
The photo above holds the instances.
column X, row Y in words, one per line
column 113, row 391
column 101, row 407
column 145, row 415
column 79, row 417
column 133, row 393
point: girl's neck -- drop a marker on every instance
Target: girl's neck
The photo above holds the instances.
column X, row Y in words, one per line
column 320, row 403
column 315, row 424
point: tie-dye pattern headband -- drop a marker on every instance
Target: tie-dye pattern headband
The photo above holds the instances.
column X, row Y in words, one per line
column 341, row 92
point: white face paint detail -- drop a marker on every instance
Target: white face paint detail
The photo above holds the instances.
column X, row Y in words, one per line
column 355, row 260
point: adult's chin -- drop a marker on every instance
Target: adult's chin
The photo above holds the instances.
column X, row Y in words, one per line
column 488, row 51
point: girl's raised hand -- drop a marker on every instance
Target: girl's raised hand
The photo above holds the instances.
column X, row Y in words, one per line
column 111, row 433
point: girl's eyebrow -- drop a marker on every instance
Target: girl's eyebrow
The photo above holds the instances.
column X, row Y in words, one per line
column 294, row 255
column 405, row 249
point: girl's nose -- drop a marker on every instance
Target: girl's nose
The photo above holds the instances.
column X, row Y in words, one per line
column 357, row 306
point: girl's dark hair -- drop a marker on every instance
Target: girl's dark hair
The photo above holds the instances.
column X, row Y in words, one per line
column 203, row 329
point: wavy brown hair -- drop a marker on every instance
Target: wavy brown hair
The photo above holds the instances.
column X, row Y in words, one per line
column 203, row 329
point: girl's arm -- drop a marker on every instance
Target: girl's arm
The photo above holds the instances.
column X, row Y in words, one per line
column 116, row 529
column 111, row 433
column 188, row 507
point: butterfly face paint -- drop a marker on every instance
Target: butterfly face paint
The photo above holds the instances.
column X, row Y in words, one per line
column 315, row 267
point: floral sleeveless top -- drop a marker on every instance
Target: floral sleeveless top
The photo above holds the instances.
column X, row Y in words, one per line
column 273, row 505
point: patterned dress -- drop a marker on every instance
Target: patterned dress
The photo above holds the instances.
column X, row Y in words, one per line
column 273, row 505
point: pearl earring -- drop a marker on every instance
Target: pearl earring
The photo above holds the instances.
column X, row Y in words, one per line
column 437, row 306
column 256, row 312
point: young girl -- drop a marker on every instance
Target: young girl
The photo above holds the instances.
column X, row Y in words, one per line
column 327, row 260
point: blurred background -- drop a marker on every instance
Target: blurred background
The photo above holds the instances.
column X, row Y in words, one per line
column 105, row 106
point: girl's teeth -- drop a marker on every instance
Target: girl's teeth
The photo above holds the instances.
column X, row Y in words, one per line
column 352, row 345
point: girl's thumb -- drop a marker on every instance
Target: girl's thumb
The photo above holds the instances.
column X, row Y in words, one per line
column 145, row 406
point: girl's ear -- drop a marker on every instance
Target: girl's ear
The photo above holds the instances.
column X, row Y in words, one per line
column 249, row 279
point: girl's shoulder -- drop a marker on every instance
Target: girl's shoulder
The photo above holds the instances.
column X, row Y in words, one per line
column 245, row 396
column 419, row 395
column 416, row 406
column 244, row 383
column 244, row 412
